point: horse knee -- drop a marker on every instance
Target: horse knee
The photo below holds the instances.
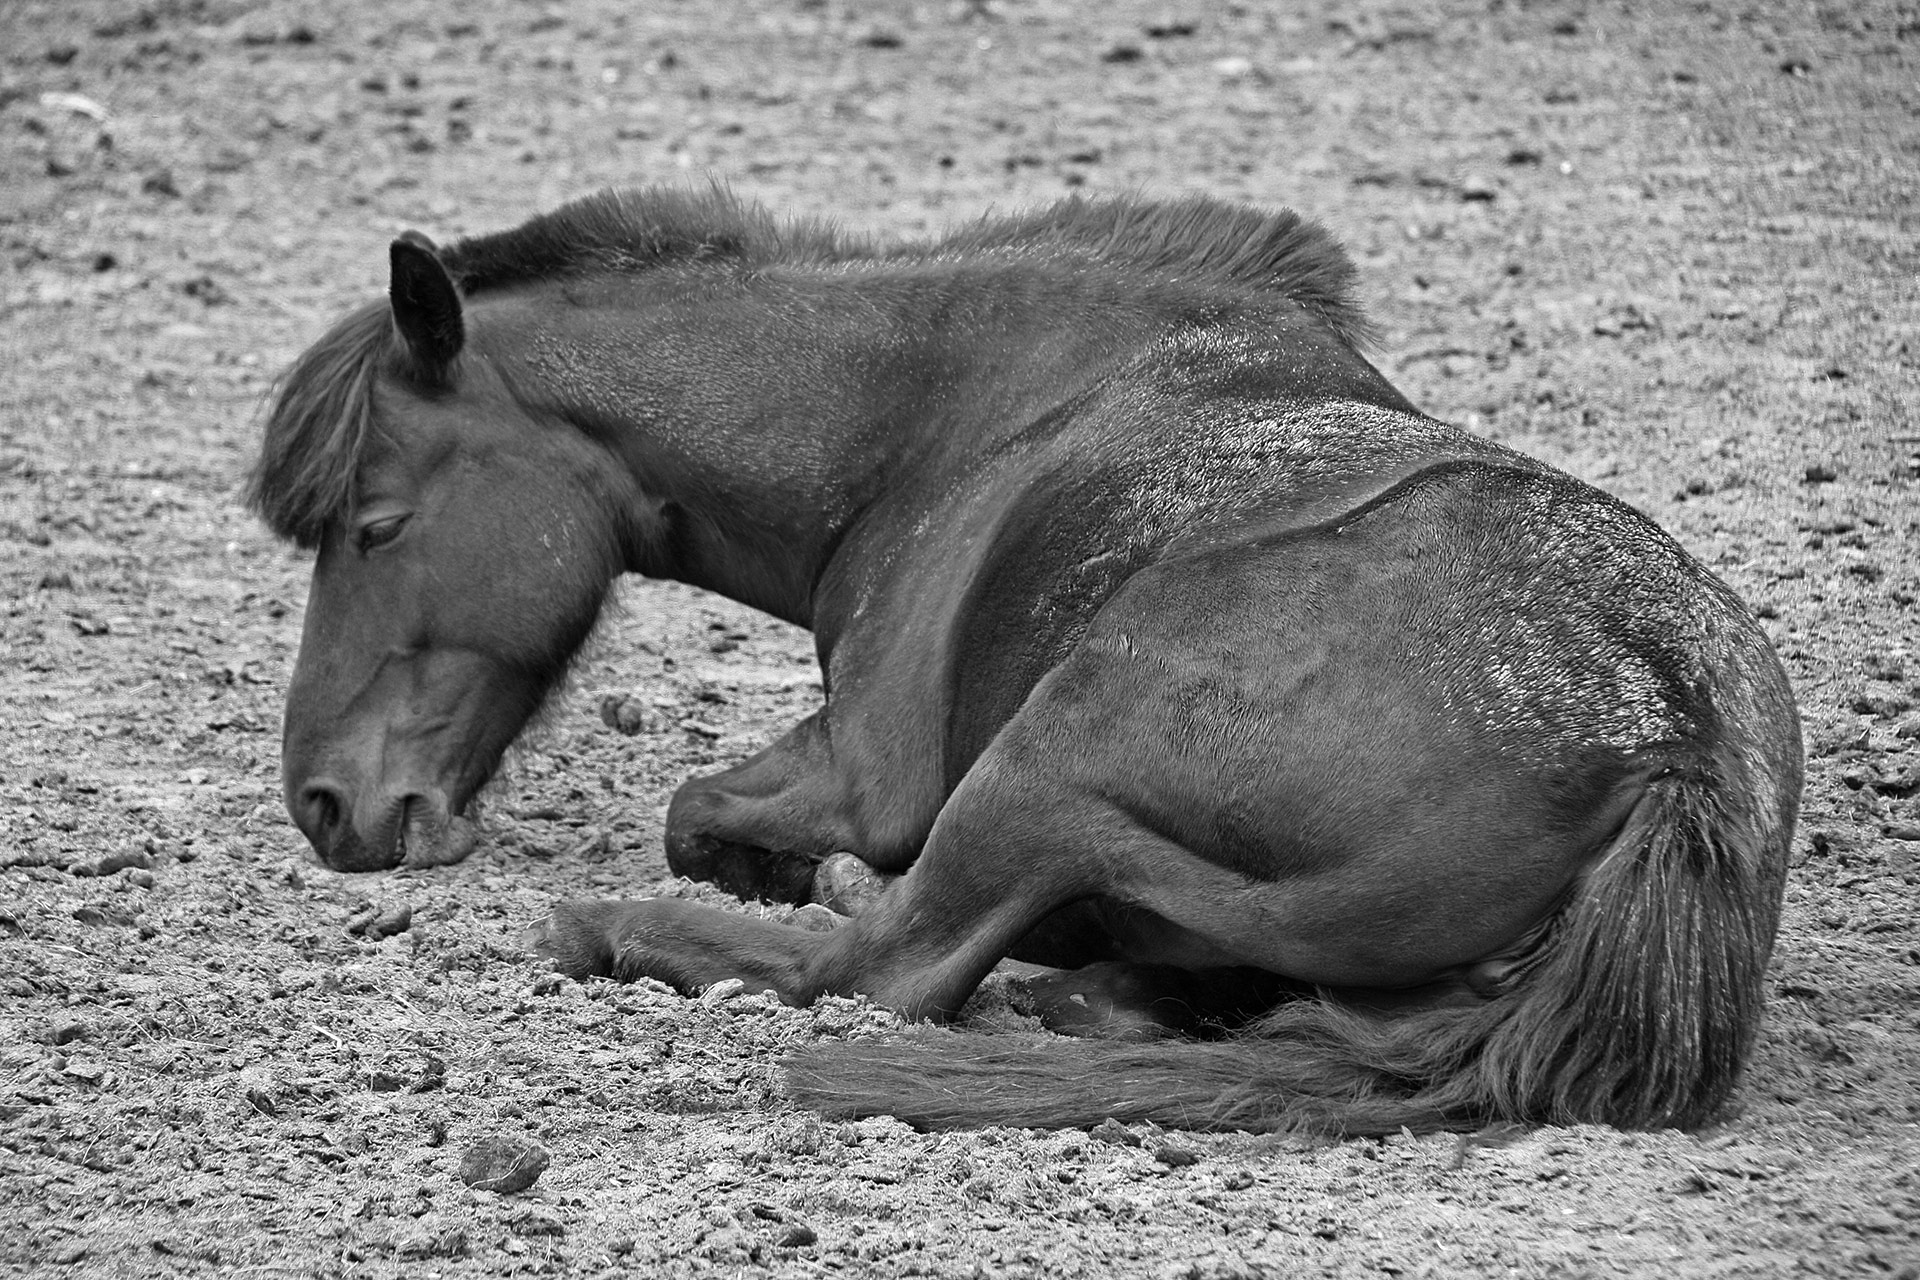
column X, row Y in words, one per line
column 695, row 816
column 706, row 841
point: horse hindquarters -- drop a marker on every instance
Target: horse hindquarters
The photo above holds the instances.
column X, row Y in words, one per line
column 1640, row 1005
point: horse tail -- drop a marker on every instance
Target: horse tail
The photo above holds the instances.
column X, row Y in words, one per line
column 1638, row 1010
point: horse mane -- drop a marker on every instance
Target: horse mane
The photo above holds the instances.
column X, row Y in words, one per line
column 621, row 231
column 1274, row 251
column 321, row 415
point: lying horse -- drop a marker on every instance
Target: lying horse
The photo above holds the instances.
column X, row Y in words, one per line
column 1165, row 644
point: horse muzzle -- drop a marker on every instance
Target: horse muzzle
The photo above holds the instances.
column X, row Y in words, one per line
column 409, row 830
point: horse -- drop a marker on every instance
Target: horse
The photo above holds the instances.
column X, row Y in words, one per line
column 1336, row 769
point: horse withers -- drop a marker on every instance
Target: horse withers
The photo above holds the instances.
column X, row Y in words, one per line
column 1165, row 644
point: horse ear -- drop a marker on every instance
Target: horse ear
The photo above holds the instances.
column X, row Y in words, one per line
column 426, row 303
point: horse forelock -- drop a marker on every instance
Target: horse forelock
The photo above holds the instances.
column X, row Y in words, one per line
column 318, row 427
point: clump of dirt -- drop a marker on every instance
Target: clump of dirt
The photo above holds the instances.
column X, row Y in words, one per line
column 1671, row 251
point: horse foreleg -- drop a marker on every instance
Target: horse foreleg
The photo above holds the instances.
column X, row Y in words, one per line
column 686, row 945
column 1004, row 853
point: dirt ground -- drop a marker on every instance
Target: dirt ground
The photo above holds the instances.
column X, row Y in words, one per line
column 1671, row 248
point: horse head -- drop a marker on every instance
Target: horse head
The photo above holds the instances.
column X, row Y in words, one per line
column 465, row 544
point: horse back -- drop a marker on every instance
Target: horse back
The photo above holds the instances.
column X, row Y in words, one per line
column 1018, row 514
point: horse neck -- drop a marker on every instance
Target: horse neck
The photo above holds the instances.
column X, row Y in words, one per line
column 761, row 422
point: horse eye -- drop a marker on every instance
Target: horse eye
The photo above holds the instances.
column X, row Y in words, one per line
column 379, row 533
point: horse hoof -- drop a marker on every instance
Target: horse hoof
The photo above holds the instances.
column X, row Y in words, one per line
column 542, row 939
column 1099, row 1002
column 848, row 885
column 576, row 937
column 816, row 917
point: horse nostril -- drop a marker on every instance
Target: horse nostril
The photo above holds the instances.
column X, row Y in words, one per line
column 322, row 806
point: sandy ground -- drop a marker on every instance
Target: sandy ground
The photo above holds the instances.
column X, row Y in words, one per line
column 1669, row 248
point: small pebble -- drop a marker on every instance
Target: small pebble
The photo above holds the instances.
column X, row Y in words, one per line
column 397, row 920
column 503, row 1164
column 375, row 923
column 85, row 1069
column 1175, row 1157
column 625, row 715
column 722, row 991
column 450, row 1243
column 532, row 1223
column 109, row 863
